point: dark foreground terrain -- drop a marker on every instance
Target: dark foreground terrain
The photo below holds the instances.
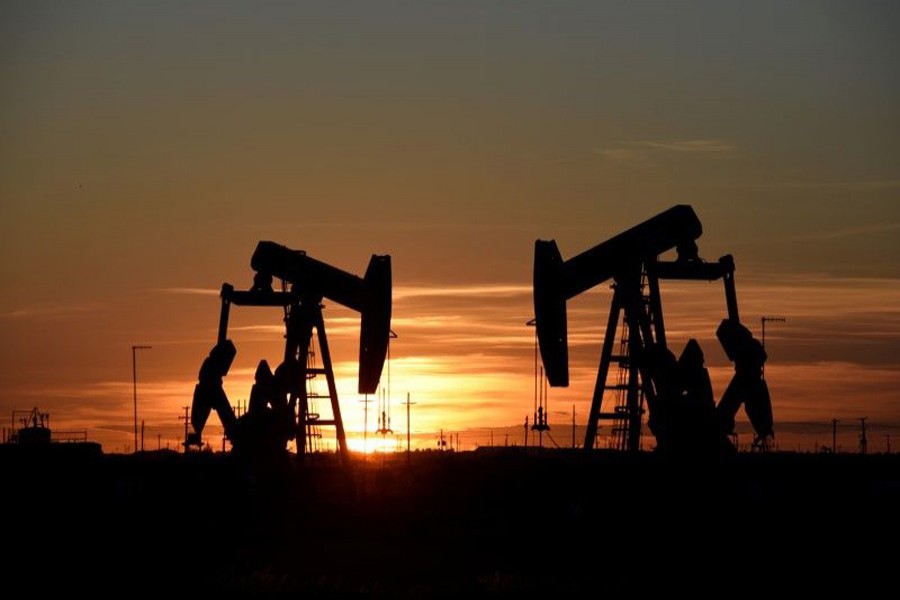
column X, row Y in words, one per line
column 491, row 523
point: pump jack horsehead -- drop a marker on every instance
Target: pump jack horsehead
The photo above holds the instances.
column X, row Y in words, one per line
column 279, row 408
column 682, row 414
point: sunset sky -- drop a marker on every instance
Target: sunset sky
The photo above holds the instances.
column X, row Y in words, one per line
column 146, row 147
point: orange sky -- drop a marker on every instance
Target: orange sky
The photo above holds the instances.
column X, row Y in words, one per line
column 147, row 147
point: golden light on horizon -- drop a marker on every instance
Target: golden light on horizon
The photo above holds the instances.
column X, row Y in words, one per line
column 373, row 444
column 468, row 369
column 466, row 358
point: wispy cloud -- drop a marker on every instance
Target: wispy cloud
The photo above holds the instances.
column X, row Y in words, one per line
column 875, row 184
column 428, row 322
column 401, row 293
column 705, row 146
column 188, row 291
column 52, row 311
column 637, row 152
column 259, row 328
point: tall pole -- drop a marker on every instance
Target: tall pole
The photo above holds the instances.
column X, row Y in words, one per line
column 134, row 350
column 391, row 336
column 533, row 323
column 573, row 426
column 407, row 403
column 186, row 420
column 863, row 442
column 365, row 402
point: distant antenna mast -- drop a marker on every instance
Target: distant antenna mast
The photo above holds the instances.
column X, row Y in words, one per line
column 134, row 350
column 863, row 442
column 384, row 409
column 541, row 404
column 186, row 418
column 573, row 426
column 408, row 404
column 365, row 402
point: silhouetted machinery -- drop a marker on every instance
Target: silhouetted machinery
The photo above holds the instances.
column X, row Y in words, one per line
column 279, row 407
column 682, row 414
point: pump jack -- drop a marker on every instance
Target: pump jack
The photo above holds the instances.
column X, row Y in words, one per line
column 279, row 402
column 631, row 260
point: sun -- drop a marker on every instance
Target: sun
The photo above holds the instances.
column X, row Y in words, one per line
column 372, row 444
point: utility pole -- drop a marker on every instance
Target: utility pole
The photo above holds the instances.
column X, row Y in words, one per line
column 573, row 426
column 407, row 403
column 134, row 350
column 365, row 402
column 186, row 420
column 383, row 411
column 765, row 320
column 526, row 431
column 537, row 385
column 533, row 323
column 863, row 442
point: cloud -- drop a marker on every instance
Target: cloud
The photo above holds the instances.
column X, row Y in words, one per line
column 704, row 146
column 875, row 184
column 259, row 328
column 403, row 293
column 189, row 291
column 427, row 322
column 639, row 152
column 52, row 311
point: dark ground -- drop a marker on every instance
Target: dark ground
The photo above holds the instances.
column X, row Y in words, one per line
column 492, row 523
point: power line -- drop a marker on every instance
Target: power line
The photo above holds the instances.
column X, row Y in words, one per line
column 552, row 440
